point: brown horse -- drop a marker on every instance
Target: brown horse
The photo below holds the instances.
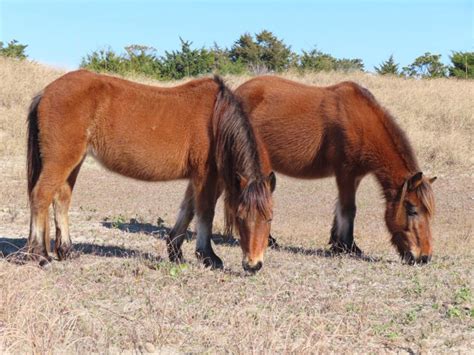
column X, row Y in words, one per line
column 196, row 131
column 341, row 130
column 312, row 132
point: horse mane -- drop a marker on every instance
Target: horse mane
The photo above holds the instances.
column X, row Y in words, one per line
column 397, row 135
column 238, row 159
column 424, row 192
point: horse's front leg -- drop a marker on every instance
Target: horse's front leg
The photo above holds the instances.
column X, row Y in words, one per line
column 206, row 192
column 342, row 232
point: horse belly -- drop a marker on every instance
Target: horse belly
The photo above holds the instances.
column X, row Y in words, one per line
column 145, row 154
column 300, row 167
column 295, row 152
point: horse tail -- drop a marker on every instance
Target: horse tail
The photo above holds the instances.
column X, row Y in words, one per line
column 33, row 156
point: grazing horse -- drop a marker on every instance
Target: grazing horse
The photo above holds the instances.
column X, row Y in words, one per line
column 197, row 131
column 315, row 132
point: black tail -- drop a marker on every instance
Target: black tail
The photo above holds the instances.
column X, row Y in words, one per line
column 33, row 157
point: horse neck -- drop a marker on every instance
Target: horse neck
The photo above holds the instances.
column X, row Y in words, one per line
column 393, row 160
column 391, row 176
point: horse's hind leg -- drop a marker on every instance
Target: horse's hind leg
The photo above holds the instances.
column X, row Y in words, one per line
column 61, row 203
column 178, row 232
column 49, row 182
column 342, row 232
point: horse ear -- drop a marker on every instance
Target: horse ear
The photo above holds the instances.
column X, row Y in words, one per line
column 272, row 180
column 432, row 180
column 415, row 181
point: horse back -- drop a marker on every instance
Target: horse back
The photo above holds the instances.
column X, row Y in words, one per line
column 310, row 131
column 141, row 131
column 293, row 120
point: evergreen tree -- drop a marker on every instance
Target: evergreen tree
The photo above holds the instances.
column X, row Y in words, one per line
column 388, row 67
column 223, row 63
column 186, row 62
column 462, row 65
column 274, row 53
column 266, row 50
column 315, row 60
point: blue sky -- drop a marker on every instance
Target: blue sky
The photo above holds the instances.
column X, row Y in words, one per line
column 60, row 33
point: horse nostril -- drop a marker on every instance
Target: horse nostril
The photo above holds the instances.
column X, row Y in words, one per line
column 425, row 259
column 253, row 268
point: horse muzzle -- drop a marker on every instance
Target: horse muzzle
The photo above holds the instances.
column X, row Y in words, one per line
column 252, row 267
column 410, row 259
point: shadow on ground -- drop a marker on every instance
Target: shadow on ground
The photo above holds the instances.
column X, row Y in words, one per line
column 161, row 231
column 15, row 248
column 12, row 247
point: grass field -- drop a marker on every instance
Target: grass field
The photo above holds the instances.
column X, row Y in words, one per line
column 120, row 294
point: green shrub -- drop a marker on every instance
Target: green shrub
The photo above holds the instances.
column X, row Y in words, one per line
column 13, row 50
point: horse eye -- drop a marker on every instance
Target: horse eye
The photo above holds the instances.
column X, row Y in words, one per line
column 411, row 210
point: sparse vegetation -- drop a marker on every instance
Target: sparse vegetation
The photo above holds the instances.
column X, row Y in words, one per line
column 120, row 294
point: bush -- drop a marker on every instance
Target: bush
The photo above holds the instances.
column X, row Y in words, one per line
column 13, row 50
column 315, row 60
column 104, row 60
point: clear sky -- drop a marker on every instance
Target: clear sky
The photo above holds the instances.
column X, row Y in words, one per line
column 60, row 33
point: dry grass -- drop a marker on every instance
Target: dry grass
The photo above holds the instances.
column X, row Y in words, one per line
column 120, row 293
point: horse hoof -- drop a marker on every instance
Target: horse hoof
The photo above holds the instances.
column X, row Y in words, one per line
column 214, row 263
column 45, row 262
column 272, row 243
column 356, row 250
column 210, row 260
column 341, row 248
column 64, row 252
column 176, row 256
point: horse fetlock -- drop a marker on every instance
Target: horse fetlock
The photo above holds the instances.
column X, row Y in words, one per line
column 37, row 251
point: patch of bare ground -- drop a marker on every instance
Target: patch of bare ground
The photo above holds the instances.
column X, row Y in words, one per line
column 120, row 294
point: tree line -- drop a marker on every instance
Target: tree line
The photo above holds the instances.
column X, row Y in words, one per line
column 250, row 54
